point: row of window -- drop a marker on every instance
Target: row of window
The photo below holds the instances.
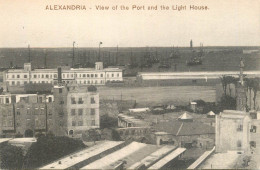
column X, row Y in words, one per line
column 80, row 123
column 63, row 75
column 80, row 100
column 78, row 82
column 80, row 112
column 4, row 100
column 29, row 111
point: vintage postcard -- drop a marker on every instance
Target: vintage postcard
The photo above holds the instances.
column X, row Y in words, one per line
column 130, row 84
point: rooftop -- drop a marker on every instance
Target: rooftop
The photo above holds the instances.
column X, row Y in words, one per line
column 180, row 128
column 80, row 156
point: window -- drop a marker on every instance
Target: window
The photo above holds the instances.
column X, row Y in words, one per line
column 68, row 75
column 84, row 75
column 80, row 123
column 80, row 112
column 55, row 75
column 117, row 74
column 60, row 90
column 73, row 112
column 253, row 129
column 95, row 75
column 80, row 100
column 18, row 112
column 239, row 144
column 112, row 75
column 25, row 76
column 252, row 144
column 12, row 76
column 73, row 123
column 13, row 83
column 61, row 102
column 101, row 75
column 7, row 100
column 240, row 128
column 47, row 76
column 92, row 111
column 73, row 100
column 92, row 75
column 35, row 76
column 253, row 115
column 42, row 76
column 18, row 76
column 87, row 75
column 93, row 122
column 92, row 100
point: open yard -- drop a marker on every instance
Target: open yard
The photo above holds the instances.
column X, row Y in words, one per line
column 177, row 95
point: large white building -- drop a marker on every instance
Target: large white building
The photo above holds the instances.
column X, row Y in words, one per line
column 84, row 76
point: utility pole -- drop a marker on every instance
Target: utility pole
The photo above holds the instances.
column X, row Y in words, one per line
column 73, row 55
column 45, row 59
column 29, row 53
column 99, row 51
column 116, row 54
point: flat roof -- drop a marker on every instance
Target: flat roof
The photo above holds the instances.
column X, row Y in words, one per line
column 167, row 158
column 155, row 156
column 82, row 155
column 2, row 140
column 18, row 140
column 108, row 160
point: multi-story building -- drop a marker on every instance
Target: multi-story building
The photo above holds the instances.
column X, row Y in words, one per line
column 239, row 131
column 83, row 76
column 68, row 111
column 232, row 131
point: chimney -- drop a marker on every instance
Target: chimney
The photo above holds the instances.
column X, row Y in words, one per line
column 59, row 75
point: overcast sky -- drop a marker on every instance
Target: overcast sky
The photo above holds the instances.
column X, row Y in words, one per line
column 226, row 23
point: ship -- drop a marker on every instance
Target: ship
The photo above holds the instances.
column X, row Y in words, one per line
column 196, row 57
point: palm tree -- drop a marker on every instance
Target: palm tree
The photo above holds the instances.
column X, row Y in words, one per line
column 249, row 86
column 230, row 80
column 255, row 88
column 224, row 84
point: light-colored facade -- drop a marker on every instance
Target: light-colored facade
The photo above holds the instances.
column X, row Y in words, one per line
column 83, row 76
column 233, row 131
column 83, row 111
column 68, row 111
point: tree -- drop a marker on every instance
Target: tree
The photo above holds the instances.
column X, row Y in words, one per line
column 230, row 80
column 11, row 157
column 28, row 133
column 256, row 88
column 227, row 103
column 224, row 84
column 49, row 148
column 92, row 88
column 107, row 122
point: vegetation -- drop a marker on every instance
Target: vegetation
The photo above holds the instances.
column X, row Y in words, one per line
column 252, row 84
column 11, row 157
column 49, row 148
column 92, row 88
column 227, row 103
column 107, row 122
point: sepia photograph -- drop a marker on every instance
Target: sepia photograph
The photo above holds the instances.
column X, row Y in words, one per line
column 129, row 84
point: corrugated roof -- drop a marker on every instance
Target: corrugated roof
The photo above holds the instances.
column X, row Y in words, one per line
column 179, row 128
